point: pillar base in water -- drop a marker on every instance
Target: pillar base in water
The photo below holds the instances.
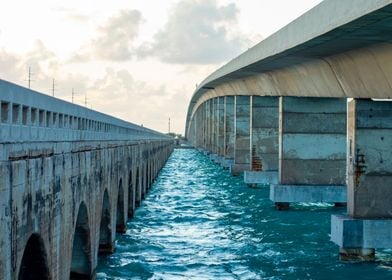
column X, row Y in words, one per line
column 261, row 177
column 130, row 214
column 358, row 237
column 282, row 206
column 106, row 249
column 357, row 254
column 308, row 193
column 340, row 204
column 81, row 276
column 226, row 163
column 238, row 169
column 121, row 228
column 214, row 158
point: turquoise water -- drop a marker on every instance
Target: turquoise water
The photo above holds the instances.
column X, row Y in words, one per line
column 199, row 222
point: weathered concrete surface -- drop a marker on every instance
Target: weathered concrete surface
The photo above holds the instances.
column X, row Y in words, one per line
column 264, row 141
column 221, row 126
column 312, row 141
column 368, row 225
column 229, row 136
column 242, row 135
column 61, row 202
column 313, row 193
column 348, row 232
column 369, row 162
column 261, row 177
column 265, row 130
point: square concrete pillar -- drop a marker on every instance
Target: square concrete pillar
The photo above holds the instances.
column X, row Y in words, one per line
column 312, row 150
column 369, row 180
column 228, row 132
column 221, row 123
column 242, row 135
column 218, row 151
column 208, row 126
column 214, row 125
column 264, row 141
column 204, row 123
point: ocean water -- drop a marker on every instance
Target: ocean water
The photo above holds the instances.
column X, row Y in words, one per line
column 199, row 222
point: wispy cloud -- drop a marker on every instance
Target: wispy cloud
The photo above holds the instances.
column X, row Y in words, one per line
column 197, row 32
column 114, row 39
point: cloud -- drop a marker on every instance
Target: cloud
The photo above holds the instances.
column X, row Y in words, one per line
column 197, row 32
column 45, row 67
column 118, row 93
column 114, row 39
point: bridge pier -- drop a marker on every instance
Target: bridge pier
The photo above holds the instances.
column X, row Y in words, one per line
column 312, row 143
column 228, row 132
column 264, row 141
column 241, row 135
column 221, row 129
column 368, row 223
column 214, row 130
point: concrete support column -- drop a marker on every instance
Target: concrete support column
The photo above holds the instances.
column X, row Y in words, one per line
column 368, row 223
column 215, row 125
column 264, row 141
column 209, row 125
column 204, row 119
column 221, row 123
column 312, row 151
column 214, row 129
column 242, row 135
column 228, row 132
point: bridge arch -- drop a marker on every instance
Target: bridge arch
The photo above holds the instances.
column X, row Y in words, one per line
column 143, row 180
column 105, row 229
column 131, row 195
column 137, row 187
column 34, row 265
column 120, row 220
column 81, row 247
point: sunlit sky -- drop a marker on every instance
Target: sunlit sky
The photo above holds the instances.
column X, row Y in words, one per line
column 138, row 60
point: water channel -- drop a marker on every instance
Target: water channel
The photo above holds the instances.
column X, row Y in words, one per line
column 199, row 222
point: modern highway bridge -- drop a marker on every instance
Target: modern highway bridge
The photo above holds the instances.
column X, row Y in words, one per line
column 301, row 111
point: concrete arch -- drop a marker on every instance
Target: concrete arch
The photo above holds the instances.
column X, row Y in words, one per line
column 105, row 230
column 148, row 174
column 34, row 265
column 81, row 247
column 131, row 195
column 143, row 180
column 120, row 217
column 137, row 187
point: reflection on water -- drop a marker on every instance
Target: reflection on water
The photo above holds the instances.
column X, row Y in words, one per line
column 199, row 222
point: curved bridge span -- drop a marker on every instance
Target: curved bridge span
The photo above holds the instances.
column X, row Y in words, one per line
column 70, row 178
column 307, row 111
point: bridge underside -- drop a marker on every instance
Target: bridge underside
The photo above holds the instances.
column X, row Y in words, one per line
column 301, row 112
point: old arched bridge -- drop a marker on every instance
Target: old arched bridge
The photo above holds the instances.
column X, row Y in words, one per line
column 70, row 178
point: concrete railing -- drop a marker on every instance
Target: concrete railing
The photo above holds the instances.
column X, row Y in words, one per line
column 29, row 116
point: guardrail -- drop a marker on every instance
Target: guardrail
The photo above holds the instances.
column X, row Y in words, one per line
column 30, row 116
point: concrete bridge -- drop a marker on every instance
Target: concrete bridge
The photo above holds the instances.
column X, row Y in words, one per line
column 70, row 178
column 299, row 112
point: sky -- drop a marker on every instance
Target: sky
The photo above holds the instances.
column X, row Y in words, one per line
column 138, row 60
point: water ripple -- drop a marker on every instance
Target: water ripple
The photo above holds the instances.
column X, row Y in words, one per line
column 199, row 222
